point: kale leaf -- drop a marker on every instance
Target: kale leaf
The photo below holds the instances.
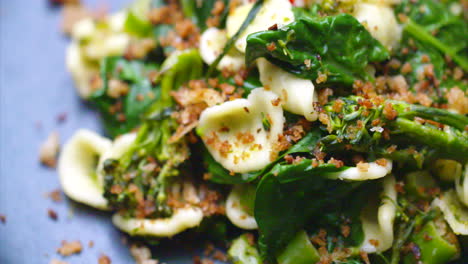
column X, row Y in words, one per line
column 338, row 46
column 432, row 30
column 141, row 94
column 289, row 196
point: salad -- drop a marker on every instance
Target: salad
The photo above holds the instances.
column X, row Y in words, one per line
column 289, row 131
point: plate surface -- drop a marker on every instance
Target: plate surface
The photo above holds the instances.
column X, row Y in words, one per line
column 34, row 90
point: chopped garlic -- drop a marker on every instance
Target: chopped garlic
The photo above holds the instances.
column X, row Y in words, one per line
column 380, row 21
column 377, row 219
column 242, row 134
column 298, row 95
column 236, row 214
column 272, row 12
column 181, row 219
column 212, row 43
column 77, row 168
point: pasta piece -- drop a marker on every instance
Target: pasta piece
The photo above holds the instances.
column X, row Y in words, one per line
column 378, row 217
column 461, row 186
column 272, row 12
column 380, row 21
column 212, row 43
column 182, row 219
column 91, row 43
column 242, row 134
column 120, row 145
column 455, row 213
column 82, row 71
column 298, row 95
column 365, row 171
column 77, row 168
column 104, row 40
column 235, row 211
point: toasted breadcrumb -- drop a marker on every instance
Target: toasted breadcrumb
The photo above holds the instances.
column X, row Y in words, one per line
column 72, row 14
column 56, row 261
column 362, row 166
column 70, row 248
column 142, row 255
column 52, row 214
column 457, row 100
column 55, row 195
column 103, row 259
column 49, row 150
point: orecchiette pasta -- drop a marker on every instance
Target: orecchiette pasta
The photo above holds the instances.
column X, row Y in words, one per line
column 212, row 43
column 77, row 168
column 454, row 212
column 91, row 43
column 242, row 134
column 380, row 21
column 377, row 219
column 369, row 171
column 272, row 12
column 297, row 95
column 236, row 213
column 181, row 219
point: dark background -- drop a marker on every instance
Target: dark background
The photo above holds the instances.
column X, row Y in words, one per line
column 35, row 88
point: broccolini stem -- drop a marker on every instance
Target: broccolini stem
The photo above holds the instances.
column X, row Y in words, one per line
column 422, row 35
column 449, row 144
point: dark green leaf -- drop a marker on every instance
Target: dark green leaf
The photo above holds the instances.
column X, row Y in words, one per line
column 135, row 103
column 285, row 202
column 338, row 46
